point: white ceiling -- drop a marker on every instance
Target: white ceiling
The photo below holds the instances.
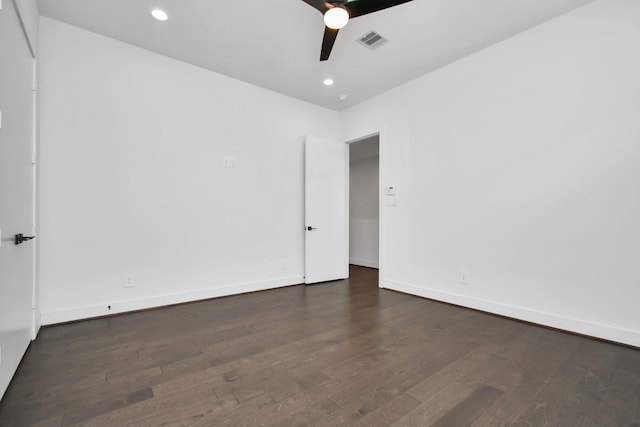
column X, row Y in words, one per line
column 242, row 39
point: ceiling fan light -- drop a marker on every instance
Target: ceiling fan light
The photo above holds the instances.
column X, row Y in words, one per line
column 336, row 18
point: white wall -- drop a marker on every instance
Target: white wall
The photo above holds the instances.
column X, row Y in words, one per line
column 16, row 190
column 364, row 203
column 520, row 166
column 132, row 147
column 517, row 165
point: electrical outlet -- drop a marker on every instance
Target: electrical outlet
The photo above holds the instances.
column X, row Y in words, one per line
column 464, row 278
column 283, row 264
column 129, row 280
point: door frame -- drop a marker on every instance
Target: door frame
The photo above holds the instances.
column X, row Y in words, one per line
column 36, row 320
column 381, row 210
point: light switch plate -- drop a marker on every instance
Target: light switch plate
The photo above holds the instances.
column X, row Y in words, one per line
column 129, row 280
column 229, row 162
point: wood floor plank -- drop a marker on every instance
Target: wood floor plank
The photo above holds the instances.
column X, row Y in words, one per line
column 472, row 368
column 389, row 411
column 576, row 387
column 467, row 411
column 518, row 389
column 337, row 353
column 436, row 406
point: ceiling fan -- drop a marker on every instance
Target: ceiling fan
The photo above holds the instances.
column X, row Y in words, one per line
column 338, row 12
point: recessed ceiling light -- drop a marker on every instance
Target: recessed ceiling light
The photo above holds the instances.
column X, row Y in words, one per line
column 328, row 82
column 159, row 14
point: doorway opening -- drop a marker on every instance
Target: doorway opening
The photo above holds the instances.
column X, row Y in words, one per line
column 364, row 202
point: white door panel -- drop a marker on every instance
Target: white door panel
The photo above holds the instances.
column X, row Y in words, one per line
column 325, row 210
column 16, row 192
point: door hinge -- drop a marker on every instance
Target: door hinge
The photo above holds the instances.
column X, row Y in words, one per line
column 34, row 158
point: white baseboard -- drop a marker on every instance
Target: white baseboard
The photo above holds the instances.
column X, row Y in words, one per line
column 580, row 326
column 37, row 323
column 96, row 310
column 364, row 262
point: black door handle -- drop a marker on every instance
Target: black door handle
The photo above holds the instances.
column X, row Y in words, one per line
column 20, row 238
column 309, row 228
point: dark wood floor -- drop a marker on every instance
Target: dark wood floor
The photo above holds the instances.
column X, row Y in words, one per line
column 339, row 353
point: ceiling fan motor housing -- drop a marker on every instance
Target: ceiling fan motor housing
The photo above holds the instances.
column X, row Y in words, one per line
column 354, row 8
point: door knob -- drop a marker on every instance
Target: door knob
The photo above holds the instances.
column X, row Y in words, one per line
column 309, row 228
column 20, row 238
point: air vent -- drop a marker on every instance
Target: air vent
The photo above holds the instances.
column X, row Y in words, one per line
column 372, row 40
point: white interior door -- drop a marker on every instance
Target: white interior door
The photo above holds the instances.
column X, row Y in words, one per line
column 16, row 192
column 326, row 242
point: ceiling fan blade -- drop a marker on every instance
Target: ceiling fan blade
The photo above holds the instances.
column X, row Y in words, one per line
column 362, row 7
column 327, row 42
column 321, row 5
